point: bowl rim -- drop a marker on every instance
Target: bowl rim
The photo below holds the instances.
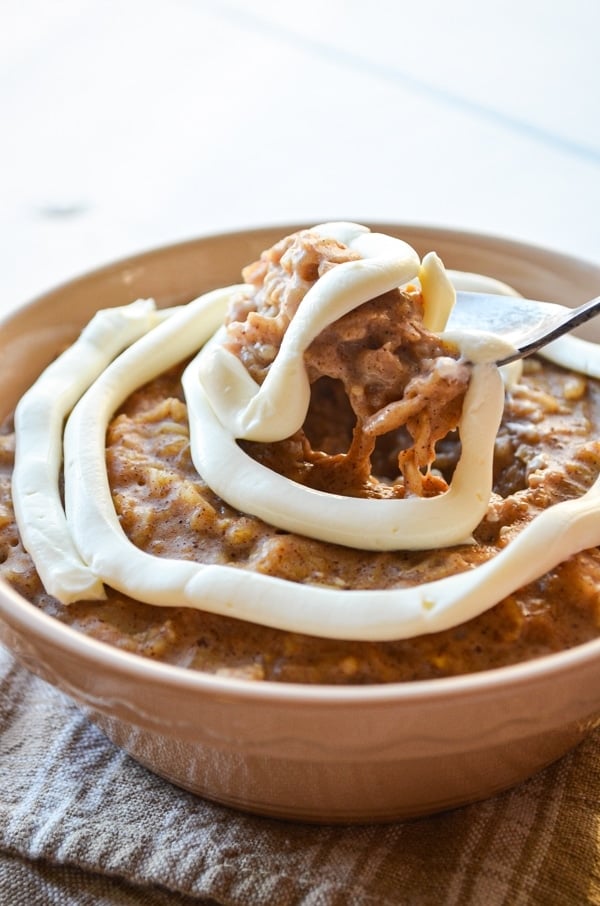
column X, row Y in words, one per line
column 17, row 610
column 139, row 668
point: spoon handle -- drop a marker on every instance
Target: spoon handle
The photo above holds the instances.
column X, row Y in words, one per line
column 572, row 319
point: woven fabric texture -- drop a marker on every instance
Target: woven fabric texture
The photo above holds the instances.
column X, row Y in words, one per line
column 81, row 822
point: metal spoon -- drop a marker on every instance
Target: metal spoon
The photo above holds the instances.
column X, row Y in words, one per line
column 524, row 323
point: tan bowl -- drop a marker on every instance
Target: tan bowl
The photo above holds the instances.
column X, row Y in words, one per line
column 327, row 754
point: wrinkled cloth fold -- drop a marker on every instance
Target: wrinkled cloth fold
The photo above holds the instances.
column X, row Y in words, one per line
column 82, row 822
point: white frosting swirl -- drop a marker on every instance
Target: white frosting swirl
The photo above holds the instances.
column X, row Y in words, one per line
column 411, row 523
column 226, row 404
column 78, row 550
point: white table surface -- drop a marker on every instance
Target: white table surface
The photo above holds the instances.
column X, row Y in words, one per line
column 130, row 124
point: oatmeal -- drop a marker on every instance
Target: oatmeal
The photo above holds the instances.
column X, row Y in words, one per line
column 382, row 426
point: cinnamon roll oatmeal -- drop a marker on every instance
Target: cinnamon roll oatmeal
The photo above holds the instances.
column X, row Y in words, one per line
column 301, row 478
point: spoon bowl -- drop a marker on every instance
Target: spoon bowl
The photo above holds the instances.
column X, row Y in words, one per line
column 525, row 324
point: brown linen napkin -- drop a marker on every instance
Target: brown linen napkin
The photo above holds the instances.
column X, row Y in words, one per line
column 73, row 802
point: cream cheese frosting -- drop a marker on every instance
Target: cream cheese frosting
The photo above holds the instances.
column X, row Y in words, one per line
column 38, row 422
column 81, row 548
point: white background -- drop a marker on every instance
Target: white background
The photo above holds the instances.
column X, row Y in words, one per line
column 125, row 125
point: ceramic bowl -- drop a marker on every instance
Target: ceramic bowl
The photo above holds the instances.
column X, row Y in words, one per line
column 326, row 754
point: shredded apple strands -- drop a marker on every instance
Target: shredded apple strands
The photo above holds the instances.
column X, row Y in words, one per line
column 250, row 386
column 394, row 373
